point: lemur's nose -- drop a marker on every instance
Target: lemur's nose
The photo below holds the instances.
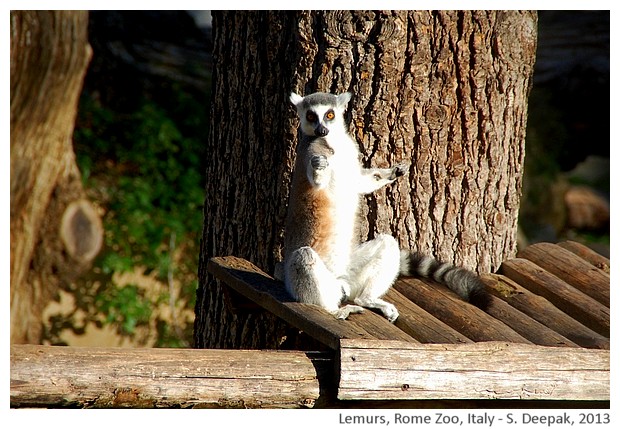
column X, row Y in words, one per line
column 321, row 131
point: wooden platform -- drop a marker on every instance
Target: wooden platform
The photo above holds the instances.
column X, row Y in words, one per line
column 545, row 334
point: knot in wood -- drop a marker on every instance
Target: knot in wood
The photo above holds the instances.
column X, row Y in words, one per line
column 346, row 25
column 436, row 116
column 362, row 26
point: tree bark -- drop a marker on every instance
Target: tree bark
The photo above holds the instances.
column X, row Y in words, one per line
column 49, row 57
column 445, row 90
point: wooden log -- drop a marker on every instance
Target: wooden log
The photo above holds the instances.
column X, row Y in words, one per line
column 577, row 304
column 46, row 376
column 540, row 309
column 492, row 370
column 584, row 252
column 529, row 328
column 420, row 324
column 572, row 269
column 445, row 305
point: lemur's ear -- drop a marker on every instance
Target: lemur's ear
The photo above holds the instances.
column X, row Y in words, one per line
column 343, row 99
column 295, row 98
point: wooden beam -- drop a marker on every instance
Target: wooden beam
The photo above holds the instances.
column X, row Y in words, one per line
column 542, row 310
column 420, row 324
column 381, row 370
column 529, row 328
column 572, row 269
column 47, row 376
column 446, row 306
column 585, row 253
column 567, row 298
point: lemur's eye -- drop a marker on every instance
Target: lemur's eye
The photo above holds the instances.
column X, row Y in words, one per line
column 311, row 117
column 330, row 115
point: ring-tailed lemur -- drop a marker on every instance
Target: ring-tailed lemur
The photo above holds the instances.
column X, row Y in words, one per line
column 323, row 262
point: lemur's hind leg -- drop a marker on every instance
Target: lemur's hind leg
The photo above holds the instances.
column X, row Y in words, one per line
column 309, row 281
column 374, row 268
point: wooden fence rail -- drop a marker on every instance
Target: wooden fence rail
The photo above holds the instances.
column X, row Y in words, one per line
column 45, row 376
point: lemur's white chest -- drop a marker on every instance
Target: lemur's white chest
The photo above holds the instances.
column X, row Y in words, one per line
column 344, row 204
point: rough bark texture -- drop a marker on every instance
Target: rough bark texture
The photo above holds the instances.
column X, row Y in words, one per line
column 445, row 90
column 49, row 57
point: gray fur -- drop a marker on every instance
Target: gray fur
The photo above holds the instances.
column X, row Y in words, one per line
column 323, row 99
column 460, row 280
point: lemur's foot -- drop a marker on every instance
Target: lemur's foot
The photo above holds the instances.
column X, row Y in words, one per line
column 343, row 312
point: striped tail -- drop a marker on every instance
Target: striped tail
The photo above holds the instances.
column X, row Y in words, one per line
column 464, row 282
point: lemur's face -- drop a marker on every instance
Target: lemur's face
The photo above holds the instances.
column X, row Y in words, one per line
column 321, row 113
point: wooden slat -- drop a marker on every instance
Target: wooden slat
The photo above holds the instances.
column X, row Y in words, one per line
column 420, row 324
column 460, row 315
column 87, row 377
column 251, row 282
column 578, row 305
column 378, row 326
column 584, row 252
column 529, row 328
column 491, row 370
column 248, row 280
column 572, row 269
column 542, row 310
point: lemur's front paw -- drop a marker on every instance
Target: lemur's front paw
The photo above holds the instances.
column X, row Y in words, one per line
column 400, row 170
column 319, row 162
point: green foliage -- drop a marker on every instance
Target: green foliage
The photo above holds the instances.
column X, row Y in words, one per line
column 124, row 306
column 145, row 168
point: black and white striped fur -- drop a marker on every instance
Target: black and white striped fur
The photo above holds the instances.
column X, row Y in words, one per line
column 462, row 281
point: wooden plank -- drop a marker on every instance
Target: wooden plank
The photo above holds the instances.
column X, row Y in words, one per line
column 420, row 324
column 572, row 269
column 577, row 304
column 529, row 328
column 379, row 327
column 542, row 310
column 248, row 280
column 458, row 314
column 383, row 370
column 585, row 253
column 47, row 376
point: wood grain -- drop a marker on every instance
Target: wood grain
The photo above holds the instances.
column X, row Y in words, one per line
column 138, row 378
column 420, row 324
column 580, row 306
column 584, row 252
column 542, row 310
column 456, row 313
column 489, row 370
column 571, row 268
column 529, row 328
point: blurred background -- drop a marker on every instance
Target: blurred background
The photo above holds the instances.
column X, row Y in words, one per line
column 139, row 140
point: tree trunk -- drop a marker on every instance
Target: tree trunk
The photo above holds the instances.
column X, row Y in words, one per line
column 55, row 233
column 444, row 90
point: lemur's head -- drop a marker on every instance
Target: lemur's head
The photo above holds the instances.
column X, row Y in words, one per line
column 320, row 112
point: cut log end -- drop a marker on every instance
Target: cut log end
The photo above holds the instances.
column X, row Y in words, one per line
column 81, row 231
